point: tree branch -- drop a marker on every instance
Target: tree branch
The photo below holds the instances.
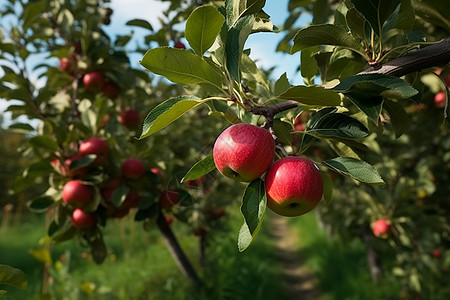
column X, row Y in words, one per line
column 431, row 56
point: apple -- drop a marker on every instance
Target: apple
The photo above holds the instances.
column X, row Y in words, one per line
column 83, row 220
column 381, row 228
column 131, row 200
column 439, row 99
column 94, row 81
column 447, row 80
column 436, row 253
column 294, row 186
column 68, row 64
column 299, row 124
column 200, row 232
column 77, row 194
column 130, row 118
column 179, row 45
column 218, row 213
column 110, row 90
column 244, row 152
column 133, row 168
column 168, row 199
column 97, row 146
column 169, row 219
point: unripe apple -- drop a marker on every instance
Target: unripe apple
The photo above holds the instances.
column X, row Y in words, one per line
column 381, row 228
column 133, row 168
column 94, row 81
column 439, row 99
column 110, row 90
column 77, row 194
column 244, row 152
column 168, row 199
column 436, row 253
column 83, row 220
column 294, row 186
column 130, row 118
column 95, row 146
column 179, row 45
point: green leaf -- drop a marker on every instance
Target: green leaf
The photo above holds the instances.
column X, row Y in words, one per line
column 119, row 195
column 338, row 125
column 236, row 37
column 31, row 12
column 400, row 120
column 367, row 91
column 308, row 65
column 140, row 23
column 41, row 254
column 236, row 9
column 282, row 131
column 40, row 204
column 253, row 209
column 327, row 187
column 82, row 162
column 13, row 276
column 45, row 142
column 181, row 66
column 200, row 168
column 202, row 27
column 282, row 84
column 325, row 34
column 355, row 168
column 21, row 127
column 376, row 12
column 311, row 95
column 167, row 112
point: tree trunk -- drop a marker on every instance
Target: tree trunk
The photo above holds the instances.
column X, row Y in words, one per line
column 177, row 253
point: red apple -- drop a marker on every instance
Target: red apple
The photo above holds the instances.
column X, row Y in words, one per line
column 77, row 194
column 168, row 199
column 95, row 146
column 110, row 90
column 94, row 81
column 68, row 64
column 169, row 219
column 381, row 228
column 133, row 168
column 436, row 253
column 131, row 200
column 83, row 220
column 294, row 186
column 244, row 152
column 179, row 45
column 218, row 213
column 130, row 118
column 439, row 99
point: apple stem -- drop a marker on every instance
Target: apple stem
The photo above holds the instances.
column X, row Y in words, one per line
column 176, row 251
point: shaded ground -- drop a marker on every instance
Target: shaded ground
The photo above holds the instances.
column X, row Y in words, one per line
column 299, row 282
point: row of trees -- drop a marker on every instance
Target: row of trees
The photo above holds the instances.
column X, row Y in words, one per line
column 386, row 135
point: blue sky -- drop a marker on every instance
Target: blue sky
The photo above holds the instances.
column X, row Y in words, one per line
column 262, row 45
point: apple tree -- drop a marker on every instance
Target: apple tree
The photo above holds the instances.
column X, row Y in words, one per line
column 369, row 81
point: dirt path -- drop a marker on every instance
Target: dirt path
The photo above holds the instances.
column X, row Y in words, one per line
column 299, row 281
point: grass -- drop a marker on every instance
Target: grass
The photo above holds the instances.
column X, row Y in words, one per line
column 340, row 266
column 139, row 266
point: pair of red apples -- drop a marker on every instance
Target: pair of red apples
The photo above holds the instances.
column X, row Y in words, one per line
column 294, row 185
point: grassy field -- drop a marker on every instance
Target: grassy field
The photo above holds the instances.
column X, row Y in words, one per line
column 139, row 265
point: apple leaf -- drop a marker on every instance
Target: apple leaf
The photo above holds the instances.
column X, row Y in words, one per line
column 181, row 66
column 40, row 204
column 202, row 27
column 253, row 209
column 13, row 276
column 327, row 187
column 61, row 233
column 44, row 142
column 376, row 12
column 282, row 84
column 41, row 254
column 119, row 195
column 325, row 34
column 339, row 126
column 140, row 23
column 82, row 162
column 311, row 95
column 147, row 212
column 167, row 112
column 200, row 168
column 355, row 168
column 237, row 9
column 399, row 118
column 367, row 91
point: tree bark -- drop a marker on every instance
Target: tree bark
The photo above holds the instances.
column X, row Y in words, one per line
column 177, row 253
